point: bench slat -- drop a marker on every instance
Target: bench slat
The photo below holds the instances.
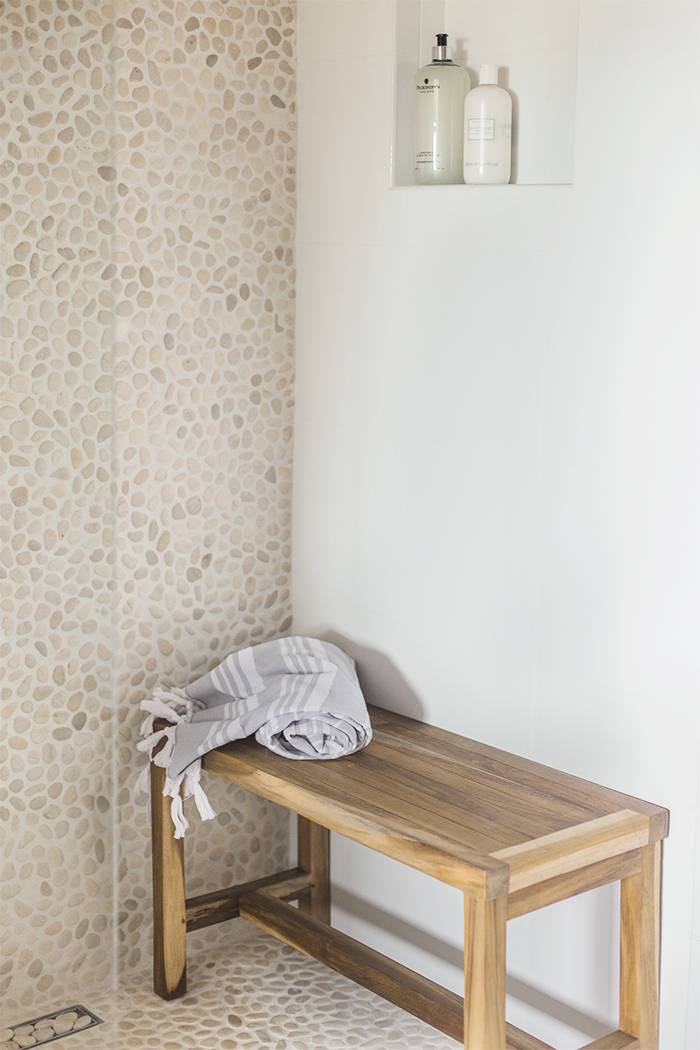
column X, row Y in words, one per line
column 515, row 769
column 446, row 805
column 388, row 833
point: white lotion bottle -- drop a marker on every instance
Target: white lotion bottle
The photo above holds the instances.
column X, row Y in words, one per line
column 440, row 90
column 488, row 131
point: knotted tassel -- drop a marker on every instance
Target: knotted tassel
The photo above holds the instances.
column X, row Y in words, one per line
column 193, row 789
column 158, row 709
column 178, row 818
column 177, row 813
column 202, row 803
column 150, row 741
column 172, row 696
column 147, row 726
column 174, row 705
column 163, row 757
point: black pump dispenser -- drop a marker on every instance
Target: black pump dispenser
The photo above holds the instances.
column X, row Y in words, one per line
column 441, row 52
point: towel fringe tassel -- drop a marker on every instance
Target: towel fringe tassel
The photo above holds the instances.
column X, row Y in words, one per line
column 172, row 790
column 175, row 706
column 149, row 743
column 193, row 789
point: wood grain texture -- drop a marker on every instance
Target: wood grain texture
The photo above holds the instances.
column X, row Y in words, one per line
column 169, row 918
column 485, row 974
column 449, row 806
column 576, row 847
column 562, row 887
column 640, row 928
column 370, row 824
column 409, row 990
column 208, row 909
column 519, row 811
column 516, row 1039
column 514, row 769
column 314, row 856
column 614, row 1041
column 357, row 778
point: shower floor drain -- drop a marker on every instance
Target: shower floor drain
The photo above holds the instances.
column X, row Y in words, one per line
column 49, row 1028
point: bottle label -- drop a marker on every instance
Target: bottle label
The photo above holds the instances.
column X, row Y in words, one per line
column 481, row 129
column 428, row 159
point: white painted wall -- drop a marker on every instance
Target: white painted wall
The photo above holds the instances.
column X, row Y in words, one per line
column 497, row 481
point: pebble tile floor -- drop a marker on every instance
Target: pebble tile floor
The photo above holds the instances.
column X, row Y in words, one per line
column 254, row 994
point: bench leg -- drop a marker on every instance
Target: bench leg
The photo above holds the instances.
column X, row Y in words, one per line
column 169, row 920
column 314, row 856
column 640, row 914
column 485, row 973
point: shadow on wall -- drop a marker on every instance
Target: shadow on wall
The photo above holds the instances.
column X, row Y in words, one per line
column 384, row 685
column 359, row 908
column 381, row 681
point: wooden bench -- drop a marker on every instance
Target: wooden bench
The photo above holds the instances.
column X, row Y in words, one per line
column 512, row 835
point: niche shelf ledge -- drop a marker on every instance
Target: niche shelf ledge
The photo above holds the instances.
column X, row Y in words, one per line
column 535, row 44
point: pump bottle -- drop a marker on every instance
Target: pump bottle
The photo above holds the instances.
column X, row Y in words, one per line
column 441, row 87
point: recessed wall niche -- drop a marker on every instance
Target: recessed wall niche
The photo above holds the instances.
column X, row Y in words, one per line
column 535, row 44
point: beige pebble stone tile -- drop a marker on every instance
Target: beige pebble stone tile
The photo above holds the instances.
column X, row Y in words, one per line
column 255, row 994
column 147, row 210
column 64, row 1024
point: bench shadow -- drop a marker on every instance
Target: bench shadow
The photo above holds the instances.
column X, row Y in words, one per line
column 530, row 995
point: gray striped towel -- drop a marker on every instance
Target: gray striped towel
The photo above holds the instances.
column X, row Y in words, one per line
column 299, row 696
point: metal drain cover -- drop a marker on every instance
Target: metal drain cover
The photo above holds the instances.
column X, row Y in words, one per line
column 49, row 1028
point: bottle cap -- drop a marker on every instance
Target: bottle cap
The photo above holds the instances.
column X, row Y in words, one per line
column 488, row 73
column 441, row 52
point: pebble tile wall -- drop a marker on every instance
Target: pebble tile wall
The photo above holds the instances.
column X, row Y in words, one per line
column 147, row 206
column 56, row 563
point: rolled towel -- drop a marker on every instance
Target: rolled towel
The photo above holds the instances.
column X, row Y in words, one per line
column 299, row 696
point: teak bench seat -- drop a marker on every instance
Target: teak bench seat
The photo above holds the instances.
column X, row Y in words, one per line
column 511, row 834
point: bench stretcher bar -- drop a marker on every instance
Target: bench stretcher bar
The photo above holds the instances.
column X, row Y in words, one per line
column 212, row 908
column 410, row 991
